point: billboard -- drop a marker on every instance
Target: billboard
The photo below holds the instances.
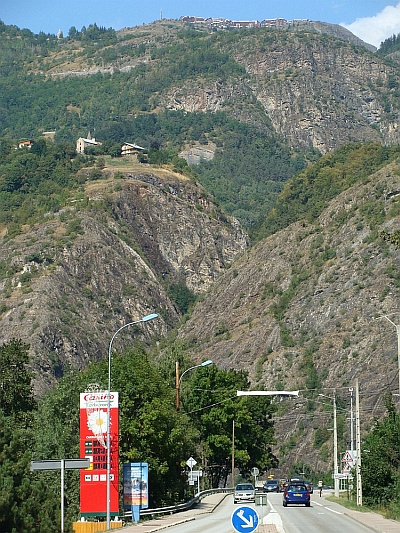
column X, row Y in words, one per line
column 93, row 446
column 136, row 485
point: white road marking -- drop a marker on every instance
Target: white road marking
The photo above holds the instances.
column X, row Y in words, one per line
column 273, row 517
column 333, row 511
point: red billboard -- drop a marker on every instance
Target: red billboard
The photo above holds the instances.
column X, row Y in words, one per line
column 93, row 446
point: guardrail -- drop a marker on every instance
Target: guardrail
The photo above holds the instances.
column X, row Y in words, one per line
column 180, row 506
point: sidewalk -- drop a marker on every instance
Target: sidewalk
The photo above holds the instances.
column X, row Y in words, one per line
column 374, row 521
column 207, row 505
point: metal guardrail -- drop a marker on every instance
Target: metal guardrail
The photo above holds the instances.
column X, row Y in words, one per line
column 180, row 506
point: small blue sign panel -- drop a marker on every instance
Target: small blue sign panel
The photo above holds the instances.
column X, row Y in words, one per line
column 245, row 519
column 136, row 483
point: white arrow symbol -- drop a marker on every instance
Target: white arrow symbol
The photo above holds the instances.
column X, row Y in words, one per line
column 248, row 522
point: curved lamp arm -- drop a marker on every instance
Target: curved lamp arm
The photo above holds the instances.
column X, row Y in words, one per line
column 179, row 379
column 144, row 319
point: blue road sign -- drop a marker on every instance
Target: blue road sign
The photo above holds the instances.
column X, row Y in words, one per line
column 244, row 519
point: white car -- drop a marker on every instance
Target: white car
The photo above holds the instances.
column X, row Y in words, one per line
column 244, row 492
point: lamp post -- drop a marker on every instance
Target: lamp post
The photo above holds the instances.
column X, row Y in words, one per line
column 254, row 393
column 178, row 379
column 144, row 319
column 335, row 445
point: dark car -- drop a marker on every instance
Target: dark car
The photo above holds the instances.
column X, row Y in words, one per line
column 271, row 485
column 292, row 480
column 310, row 487
column 296, row 493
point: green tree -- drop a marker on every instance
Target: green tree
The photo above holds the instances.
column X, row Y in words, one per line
column 380, row 465
column 210, row 400
column 16, row 392
column 150, row 428
column 26, row 503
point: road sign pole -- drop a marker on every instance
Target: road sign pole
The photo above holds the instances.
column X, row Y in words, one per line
column 62, row 465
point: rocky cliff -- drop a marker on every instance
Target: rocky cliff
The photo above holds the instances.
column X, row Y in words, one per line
column 109, row 259
column 303, row 310
column 313, row 83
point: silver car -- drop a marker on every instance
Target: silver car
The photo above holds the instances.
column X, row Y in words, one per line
column 244, row 492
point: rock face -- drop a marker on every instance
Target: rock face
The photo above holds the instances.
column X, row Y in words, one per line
column 303, row 310
column 315, row 84
column 312, row 89
column 75, row 279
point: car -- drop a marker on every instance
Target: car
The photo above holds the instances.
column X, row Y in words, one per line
column 244, row 492
column 310, row 486
column 296, row 493
column 271, row 485
column 292, row 480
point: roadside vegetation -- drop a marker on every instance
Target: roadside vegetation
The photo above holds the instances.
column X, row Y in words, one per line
column 151, row 430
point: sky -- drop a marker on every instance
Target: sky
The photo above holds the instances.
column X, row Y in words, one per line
column 371, row 20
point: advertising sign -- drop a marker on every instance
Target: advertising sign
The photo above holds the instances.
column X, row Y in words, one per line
column 136, row 485
column 93, row 446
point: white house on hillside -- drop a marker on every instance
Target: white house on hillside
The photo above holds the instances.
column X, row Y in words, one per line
column 82, row 143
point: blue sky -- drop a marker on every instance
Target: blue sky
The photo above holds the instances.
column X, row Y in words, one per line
column 371, row 20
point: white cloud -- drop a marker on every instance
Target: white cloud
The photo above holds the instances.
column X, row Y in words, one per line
column 376, row 29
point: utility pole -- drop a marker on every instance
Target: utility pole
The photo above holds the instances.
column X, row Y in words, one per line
column 351, row 423
column 233, row 453
column 358, row 447
column 335, row 446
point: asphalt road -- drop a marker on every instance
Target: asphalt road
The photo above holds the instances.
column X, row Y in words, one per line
column 322, row 516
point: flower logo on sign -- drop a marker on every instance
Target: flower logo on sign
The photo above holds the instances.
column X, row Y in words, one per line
column 97, row 422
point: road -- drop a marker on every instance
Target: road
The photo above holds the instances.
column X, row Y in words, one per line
column 321, row 516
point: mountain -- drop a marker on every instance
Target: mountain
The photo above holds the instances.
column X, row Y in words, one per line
column 305, row 310
column 263, row 102
column 69, row 282
column 299, row 128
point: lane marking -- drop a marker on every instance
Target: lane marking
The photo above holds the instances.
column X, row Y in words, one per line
column 333, row 510
column 317, row 503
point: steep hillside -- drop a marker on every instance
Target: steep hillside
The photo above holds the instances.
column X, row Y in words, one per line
column 310, row 83
column 67, row 284
column 245, row 98
column 301, row 310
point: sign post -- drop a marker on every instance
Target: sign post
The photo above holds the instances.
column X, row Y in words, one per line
column 191, row 463
column 95, row 427
column 60, row 464
column 254, row 473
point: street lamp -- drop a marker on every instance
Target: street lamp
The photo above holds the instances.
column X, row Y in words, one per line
column 254, row 393
column 179, row 379
column 335, row 459
column 144, row 319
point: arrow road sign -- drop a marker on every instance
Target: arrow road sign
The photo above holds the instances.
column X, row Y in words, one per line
column 245, row 519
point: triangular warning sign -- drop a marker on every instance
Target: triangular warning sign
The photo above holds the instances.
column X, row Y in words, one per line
column 347, row 457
